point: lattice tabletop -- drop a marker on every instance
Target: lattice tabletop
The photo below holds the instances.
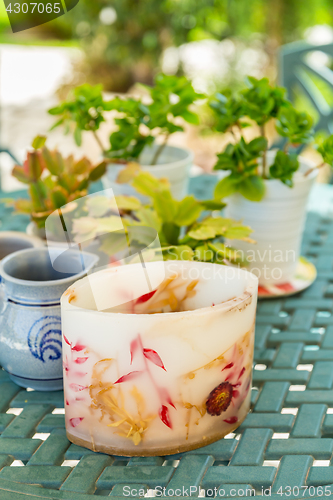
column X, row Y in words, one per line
column 287, row 440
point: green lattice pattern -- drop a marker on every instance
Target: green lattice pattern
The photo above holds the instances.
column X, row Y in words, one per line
column 287, row 440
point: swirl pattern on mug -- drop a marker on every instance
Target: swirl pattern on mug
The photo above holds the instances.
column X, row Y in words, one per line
column 45, row 335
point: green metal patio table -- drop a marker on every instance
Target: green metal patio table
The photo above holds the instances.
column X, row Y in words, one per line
column 284, row 446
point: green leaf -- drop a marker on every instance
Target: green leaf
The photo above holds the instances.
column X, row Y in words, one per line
column 258, row 146
column 53, row 162
column 109, row 224
column 127, row 202
column 34, row 165
column 148, row 217
column 59, row 197
column 190, row 117
column 223, row 252
column 202, row 233
column 220, row 224
column 146, row 184
column 326, row 150
column 284, row 167
column 21, row 175
column 36, row 198
column 78, row 136
column 238, row 233
column 180, row 252
column 203, row 253
column 22, row 206
column 212, row 204
column 295, row 125
column 112, row 243
column 171, row 232
column 252, row 188
column 226, row 187
column 128, row 173
column 189, row 209
column 165, row 206
column 39, row 141
column 97, row 172
column 98, row 205
column 80, row 167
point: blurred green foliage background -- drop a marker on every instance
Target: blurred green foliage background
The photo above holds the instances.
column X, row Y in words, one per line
column 124, row 40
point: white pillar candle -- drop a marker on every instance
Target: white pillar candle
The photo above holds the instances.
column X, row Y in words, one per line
column 165, row 373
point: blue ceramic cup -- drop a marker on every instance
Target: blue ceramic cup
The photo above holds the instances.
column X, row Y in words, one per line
column 30, row 323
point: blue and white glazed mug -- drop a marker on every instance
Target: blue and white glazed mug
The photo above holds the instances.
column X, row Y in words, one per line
column 30, row 323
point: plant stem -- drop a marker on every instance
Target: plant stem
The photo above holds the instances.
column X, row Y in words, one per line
column 99, row 141
column 240, row 129
column 262, row 132
column 159, row 150
column 308, row 172
column 233, row 134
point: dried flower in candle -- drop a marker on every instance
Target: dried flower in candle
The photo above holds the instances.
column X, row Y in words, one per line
column 219, row 399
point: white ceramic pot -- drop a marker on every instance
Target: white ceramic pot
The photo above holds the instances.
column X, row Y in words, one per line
column 162, row 383
column 278, row 223
column 173, row 164
column 12, row 241
column 91, row 246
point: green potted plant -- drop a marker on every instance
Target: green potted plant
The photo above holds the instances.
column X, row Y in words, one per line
column 142, row 128
column 186, row 228
column 268, row 190
column 54, row 181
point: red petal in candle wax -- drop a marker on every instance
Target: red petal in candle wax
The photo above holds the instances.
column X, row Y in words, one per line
column 127, row 377
column 133, row 348
column 164, row 416
column 66, row 340
column 65, row 365
column 78, row 347
column 145, row 297
column 231, row 420
column 77, row 387
column 153, row 357
column 79, row 361
column 230, row 365
column 165, row 396
column 75, row 421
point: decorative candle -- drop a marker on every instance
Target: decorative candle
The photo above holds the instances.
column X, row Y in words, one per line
column 167, row 372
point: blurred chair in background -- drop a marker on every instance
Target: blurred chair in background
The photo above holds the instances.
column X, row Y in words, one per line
column 307, row 73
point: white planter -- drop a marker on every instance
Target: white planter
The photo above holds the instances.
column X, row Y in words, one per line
column 161, row 383
column 278, row 223
column 174, row 164
column 91, row 246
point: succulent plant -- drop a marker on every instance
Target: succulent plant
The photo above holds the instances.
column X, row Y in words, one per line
column 53, row 180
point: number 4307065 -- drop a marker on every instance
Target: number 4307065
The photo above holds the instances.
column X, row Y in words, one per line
column 30, row 8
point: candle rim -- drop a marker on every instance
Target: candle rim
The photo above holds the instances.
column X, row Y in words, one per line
column 249, row 292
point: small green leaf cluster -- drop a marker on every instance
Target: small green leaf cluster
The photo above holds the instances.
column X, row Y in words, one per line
column 85, row 110
column 245, row 161
column 325, row 149
column 187, row 228
column 53, row 180
column 138, row 123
